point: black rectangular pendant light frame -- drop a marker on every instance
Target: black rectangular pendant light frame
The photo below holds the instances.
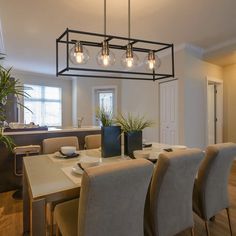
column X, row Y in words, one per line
column 65, row 39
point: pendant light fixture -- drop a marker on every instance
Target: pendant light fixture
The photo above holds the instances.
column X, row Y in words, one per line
column 105, row 57
column 71, row 50
column 79, row 54
column 129, row 59
column 152, row 62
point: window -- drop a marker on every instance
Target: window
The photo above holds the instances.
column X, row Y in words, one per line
column 105, row 99
column 45, row 104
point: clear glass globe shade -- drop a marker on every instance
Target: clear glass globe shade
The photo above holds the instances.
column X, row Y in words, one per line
column 152, row 64
column 79, row 57
column 129, row 62
column 106, row 60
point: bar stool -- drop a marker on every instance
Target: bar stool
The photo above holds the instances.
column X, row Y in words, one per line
column 21, row 151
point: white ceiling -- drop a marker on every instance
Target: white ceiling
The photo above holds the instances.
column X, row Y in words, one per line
column 30, row 27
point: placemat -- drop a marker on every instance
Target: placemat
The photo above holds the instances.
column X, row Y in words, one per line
column 76, row 178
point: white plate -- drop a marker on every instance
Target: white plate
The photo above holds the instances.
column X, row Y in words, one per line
column 59, row 155
column 178, row 147
column 77, row 170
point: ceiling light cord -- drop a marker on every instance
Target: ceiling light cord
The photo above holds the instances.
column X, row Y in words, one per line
column 105, row 18
column 129, row 20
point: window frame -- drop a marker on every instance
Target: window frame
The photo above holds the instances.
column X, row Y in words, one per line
column 95, row 99
column 43, row 99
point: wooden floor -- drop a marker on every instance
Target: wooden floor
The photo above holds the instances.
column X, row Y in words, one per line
column 11, row 215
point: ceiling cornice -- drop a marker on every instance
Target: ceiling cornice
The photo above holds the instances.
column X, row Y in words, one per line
column 208, row 53
column 220, row 46
column 194, row 50
column 220, row 49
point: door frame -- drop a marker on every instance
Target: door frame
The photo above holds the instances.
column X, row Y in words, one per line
column 219, row 108
column 105, row 87
column 159, row 106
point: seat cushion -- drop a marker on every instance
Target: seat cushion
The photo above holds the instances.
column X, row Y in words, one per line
column 66, row 217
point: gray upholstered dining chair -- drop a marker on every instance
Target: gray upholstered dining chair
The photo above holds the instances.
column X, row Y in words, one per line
column 92, row 141
column 111, row 202
column 210, row 194
column 51, row 145
column 168, row 208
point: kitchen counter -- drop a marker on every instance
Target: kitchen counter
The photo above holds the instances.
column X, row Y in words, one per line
column 8, row 181
column 54, row 130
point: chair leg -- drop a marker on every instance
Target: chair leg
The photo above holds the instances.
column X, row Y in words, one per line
column 192, row 231
column 58, row 233
column 51, row 221
column 230, row 227
column 50, row 218
column 207, row 228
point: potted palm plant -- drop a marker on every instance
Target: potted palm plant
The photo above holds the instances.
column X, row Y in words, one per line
column 110, row 134
column 132, row 127
column 8, row 87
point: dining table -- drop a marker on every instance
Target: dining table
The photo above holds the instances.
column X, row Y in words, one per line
column 49, row 178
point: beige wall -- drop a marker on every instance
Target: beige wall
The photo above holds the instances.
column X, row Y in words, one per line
column 195, row 99
column 42, row 79
column 141, row 98
column 191, row 72
column 229, row 74
column 77, row 94
column 85, row 86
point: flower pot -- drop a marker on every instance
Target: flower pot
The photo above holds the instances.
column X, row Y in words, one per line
column 132, row 142
column 111, row 141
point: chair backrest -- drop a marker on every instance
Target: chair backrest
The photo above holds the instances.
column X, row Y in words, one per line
column 93, row 141
column 112, row 199
column 51, row 145
column 27, row 150
column 169, row 203
column 212, row 182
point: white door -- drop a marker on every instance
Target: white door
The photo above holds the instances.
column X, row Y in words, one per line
column 211, row 114
column 214, row 111
column 169, row 112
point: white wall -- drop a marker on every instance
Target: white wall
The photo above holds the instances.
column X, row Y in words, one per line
column 195, row 100
column 141, row 98
column 42, row 79
column 85, row 106
column 77, row 94
column 74, row 102
column 191, row 73
column 229, row 75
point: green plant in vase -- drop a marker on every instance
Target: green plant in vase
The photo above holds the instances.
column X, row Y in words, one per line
column 110, row 134
column 8, row 87
column 105, row 117
column 132, row 127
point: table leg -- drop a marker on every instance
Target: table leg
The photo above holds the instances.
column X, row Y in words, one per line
column 26, row 205
column 38, row 219
column 34, row 212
